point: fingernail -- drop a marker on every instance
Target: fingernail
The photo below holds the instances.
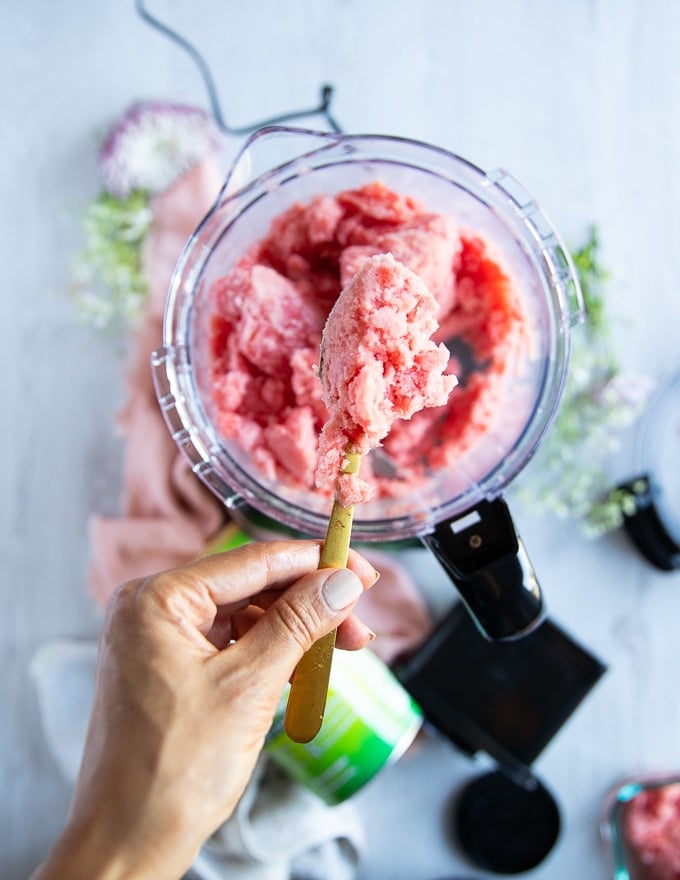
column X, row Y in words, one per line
column 341, row 589
column 377, row 577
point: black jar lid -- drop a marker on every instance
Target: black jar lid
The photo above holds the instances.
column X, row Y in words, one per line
column 505, row 827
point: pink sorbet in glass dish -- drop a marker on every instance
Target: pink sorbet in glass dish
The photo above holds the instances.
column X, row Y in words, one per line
column 651, row 833
column 642, row 826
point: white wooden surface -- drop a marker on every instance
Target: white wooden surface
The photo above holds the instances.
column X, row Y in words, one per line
column 580, row 99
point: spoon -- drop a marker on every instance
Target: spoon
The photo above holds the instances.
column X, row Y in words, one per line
column 378, row 364
column 309, row 686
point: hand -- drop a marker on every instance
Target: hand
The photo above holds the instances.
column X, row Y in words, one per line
column 192, row 664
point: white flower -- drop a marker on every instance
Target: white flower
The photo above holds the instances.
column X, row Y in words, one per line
column 569, row 476
column 153, row 144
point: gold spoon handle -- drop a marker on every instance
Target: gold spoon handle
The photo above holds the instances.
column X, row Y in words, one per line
column 308, row 691
column 309, row 687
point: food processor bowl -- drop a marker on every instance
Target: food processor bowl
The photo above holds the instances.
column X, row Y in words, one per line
column 279, row 167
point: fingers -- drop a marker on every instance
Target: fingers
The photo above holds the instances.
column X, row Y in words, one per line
column 319, row 602
column 353, row 634
column 194, row 595
column 252, row 568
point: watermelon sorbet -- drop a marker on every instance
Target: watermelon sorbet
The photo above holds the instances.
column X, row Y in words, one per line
column 268, row 316
column 651, row 833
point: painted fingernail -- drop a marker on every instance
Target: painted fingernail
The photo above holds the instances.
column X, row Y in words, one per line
column 341, row 589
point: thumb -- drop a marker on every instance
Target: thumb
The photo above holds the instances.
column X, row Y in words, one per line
column 305, row 612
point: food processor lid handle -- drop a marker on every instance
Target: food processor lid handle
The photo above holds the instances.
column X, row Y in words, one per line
column 486, row 560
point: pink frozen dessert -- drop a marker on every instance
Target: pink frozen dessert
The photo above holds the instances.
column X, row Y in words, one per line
column 268, row 314
column 378, row 364
column 651, row 833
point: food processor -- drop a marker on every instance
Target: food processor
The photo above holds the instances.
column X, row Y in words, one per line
column 458, row 513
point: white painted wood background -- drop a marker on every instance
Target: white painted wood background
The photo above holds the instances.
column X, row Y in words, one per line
column 580, row 99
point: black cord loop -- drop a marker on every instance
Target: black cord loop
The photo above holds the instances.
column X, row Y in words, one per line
column 322, row 109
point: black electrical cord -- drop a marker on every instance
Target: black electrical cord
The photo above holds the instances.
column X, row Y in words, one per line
column 323, row 109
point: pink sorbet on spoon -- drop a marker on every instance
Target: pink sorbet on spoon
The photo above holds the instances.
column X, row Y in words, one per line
column 378, row 364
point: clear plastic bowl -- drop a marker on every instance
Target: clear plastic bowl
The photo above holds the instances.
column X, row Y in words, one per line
column 285, row 166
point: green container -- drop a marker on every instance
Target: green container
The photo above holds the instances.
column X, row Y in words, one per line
column 370, row 721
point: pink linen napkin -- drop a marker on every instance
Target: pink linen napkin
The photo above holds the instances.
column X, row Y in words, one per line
column 394, row 609
column 167, row 513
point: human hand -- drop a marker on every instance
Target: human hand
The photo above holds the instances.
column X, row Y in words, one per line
column 192, row 664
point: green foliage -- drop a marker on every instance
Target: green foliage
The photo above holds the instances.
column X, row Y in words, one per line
column 109, row 283
column 568, row 476
column 592, row 276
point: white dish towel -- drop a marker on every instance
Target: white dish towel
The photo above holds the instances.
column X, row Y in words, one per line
column 279, row 830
